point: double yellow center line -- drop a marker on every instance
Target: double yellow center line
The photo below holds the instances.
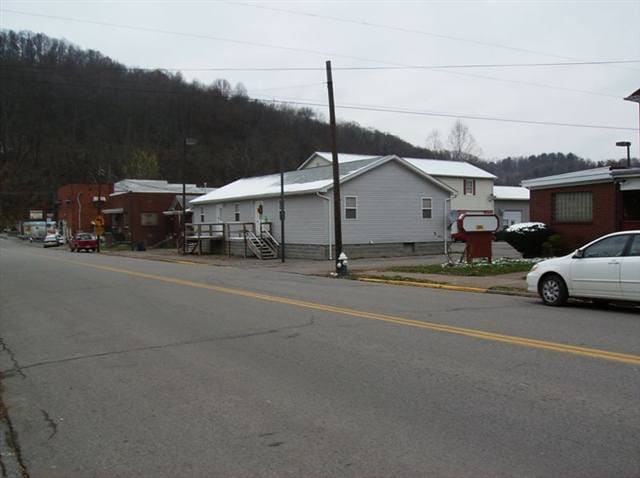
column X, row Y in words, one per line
column 478, row 334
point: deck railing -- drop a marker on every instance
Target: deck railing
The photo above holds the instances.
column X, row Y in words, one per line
column 224, row 231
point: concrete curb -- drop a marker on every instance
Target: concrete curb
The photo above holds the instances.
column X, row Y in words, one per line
column 427, row 285
column 456, row 288
column 375, row 280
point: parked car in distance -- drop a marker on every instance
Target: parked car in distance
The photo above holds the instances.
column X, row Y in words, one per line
column 51, row 240
column 83, row 241
column 607, row 269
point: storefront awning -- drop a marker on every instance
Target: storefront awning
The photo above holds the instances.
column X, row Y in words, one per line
column 117, row 210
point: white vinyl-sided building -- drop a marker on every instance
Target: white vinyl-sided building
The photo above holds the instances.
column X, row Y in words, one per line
column 473, row 186
column 389, row 207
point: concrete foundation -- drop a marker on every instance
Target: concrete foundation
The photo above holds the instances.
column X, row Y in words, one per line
column 353, row 251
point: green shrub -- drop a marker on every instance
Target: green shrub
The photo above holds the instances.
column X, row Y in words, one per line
column 555, row 245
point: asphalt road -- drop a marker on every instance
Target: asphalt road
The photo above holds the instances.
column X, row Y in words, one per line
column 117, row 367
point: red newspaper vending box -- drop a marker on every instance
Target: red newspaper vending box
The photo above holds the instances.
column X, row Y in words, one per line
column 476, row 230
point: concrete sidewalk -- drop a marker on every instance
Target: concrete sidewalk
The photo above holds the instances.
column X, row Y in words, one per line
column 376, row 267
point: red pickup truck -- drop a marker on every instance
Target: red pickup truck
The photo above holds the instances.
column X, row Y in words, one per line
column 83, row 240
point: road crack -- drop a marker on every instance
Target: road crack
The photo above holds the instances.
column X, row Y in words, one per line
column 53, row 426
column 16, row 366
column 20, row 369
column 11, row 462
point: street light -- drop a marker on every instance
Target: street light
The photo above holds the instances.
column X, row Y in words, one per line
column 626, row 144
column 635, row 97
column 187, row 142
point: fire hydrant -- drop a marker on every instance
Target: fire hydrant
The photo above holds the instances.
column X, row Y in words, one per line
column 341, row 265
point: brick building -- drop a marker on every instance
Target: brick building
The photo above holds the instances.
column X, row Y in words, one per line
column 583, row 205
column 77, row 206
column 135, row 210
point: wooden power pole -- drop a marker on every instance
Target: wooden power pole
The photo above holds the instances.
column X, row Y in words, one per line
column 337, row 222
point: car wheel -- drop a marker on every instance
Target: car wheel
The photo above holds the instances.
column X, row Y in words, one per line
column 553, row 290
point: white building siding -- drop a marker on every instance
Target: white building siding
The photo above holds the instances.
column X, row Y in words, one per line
column 502, row 206
column 480, row 201
column 389, row 207
column 306, row 220
column 306, row 216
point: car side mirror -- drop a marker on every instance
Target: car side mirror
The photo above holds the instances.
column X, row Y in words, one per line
column 579, row 254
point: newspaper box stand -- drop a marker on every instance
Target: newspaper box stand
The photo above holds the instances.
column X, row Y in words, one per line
column 476, row 230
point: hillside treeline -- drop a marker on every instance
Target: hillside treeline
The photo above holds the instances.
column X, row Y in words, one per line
column 74, row 115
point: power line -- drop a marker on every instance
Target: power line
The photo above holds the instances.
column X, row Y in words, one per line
column 403, row 30
column 288, row 87
column 350, row 68
column 436, row 68
column 384, row 109
column 189, row 35
column 293, row 49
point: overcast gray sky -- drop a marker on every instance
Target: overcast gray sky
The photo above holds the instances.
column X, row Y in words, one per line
column 200, row 35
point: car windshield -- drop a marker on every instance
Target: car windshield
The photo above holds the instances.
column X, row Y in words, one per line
column 84, row 237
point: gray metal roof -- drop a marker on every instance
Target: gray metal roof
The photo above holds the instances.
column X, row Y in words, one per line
column 432, row 167
column 155, row 186
column 302, row 181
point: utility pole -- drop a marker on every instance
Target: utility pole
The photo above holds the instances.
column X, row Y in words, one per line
column 336, row 172
column 99, row 224
column 187, row 142
column 282, row 213
column 184, row 198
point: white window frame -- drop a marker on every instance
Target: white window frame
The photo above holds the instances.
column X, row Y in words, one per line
column 202, row 214
column 473, row 187
column 423, row 209
column 236, row 212
column 354, row 208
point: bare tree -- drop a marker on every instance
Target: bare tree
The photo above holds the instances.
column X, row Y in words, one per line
column 240, row 90
column 434, row 141
column 461, row 142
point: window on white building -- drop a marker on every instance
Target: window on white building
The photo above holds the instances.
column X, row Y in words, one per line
column 470, row 186
column 426, row 208
column 351, row 207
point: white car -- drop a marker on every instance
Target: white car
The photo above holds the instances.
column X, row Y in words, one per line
column 51, row 240
column 607, row 269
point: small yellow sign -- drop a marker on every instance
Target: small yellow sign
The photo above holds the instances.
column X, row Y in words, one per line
column 99, row 221
column 99, row 230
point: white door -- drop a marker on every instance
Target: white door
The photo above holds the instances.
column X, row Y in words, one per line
column 258, row 208
column 511, row 217
column 630, row 272
column 597, row 272
column 219, row 227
